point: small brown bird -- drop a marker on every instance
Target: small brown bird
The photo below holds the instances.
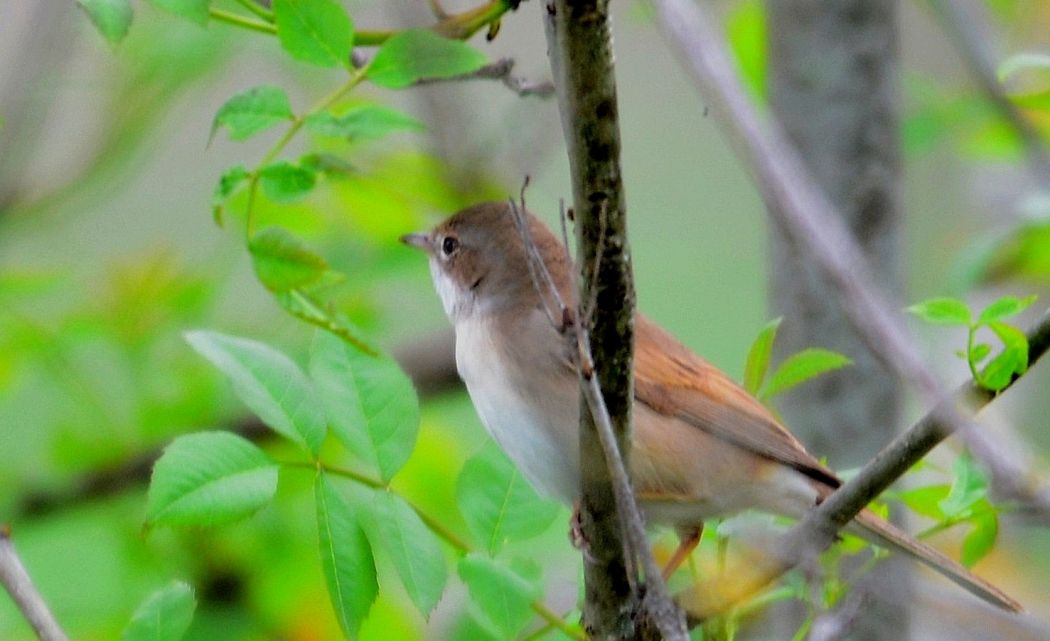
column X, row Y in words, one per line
column 702, row 447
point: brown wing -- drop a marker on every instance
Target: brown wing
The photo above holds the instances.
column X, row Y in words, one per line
column 671, row 380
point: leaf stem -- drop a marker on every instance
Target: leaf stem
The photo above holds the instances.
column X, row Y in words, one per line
column 258, row 9
column 244, row 22
column 969, row 355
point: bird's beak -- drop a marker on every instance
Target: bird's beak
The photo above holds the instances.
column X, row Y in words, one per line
column 419, row 240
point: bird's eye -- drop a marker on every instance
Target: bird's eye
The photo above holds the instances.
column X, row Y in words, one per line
column 449, row 245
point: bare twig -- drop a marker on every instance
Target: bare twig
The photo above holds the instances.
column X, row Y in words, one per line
column 16, row 581
column 501, row 70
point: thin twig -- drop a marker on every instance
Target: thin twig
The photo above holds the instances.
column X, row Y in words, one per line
column 16, row 581
column 501, row 70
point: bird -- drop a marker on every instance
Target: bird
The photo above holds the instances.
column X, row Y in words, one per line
column 701, row 446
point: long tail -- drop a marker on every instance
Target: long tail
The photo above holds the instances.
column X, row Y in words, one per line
column 869, row 526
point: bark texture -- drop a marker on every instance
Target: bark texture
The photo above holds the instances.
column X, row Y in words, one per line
column 833, row 87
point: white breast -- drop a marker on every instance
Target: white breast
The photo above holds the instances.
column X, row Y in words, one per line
column 535, row 427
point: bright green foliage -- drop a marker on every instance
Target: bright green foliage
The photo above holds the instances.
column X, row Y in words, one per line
column 1013, row 359
column 498, row 503
column 943, row 311
column 371, row 404
column 193, row 10
column 112, row 18
column 209, row 478
column 801, row 367
column 758, row 356
column 346, row 558
column 415, row 551
column 282, row 261
column 316, row 31
column 303, row 306
column 1005, row 307
column 362, row 122
column 746, row 33
column 252, row 111
column 328, row 165
column 411, row 56
column 502, row 595
column 269, row 383
column 981, row 539
column 228, row 183
column 284, row 182
column 970, row 486
column 163, row 616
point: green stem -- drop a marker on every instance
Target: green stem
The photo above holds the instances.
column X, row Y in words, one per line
column 437, row 528
column 244, row 22
column 258, row 9
column 969, row 355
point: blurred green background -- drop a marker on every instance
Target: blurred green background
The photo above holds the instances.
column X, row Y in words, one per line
column 108, row 252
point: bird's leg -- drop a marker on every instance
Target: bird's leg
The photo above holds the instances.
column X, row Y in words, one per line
column 688, row 539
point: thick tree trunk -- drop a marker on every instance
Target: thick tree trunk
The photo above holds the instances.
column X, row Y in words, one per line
column 833, row 86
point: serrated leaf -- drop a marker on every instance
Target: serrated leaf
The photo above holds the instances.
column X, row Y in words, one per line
column 497, row 503
column 316, row 31
column 362, row 122
column 252, row 111
column 758, row 356
column 981, row 538
column 269, row 383
column 209, row 478
column 502, row 595
column 969, row 487
column 943, row 311
column 282, row 262
column 346, row 558
column 411, row 56
column 801, row 367
column 1005, row 307
column 284, row 182
column 163, row 616
column 371, row 405
column 192, row 10
column 112, row 18
column 413, row 548
column 1013, row 359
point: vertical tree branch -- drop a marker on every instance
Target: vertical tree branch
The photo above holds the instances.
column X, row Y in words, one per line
column 16, row 581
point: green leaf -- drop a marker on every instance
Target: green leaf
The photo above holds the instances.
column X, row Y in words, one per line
column 316, row 31
column 943, row 311
column 346, row 558
column 497, row 502
column 411, row 56
column 926, row 500
column 413, row 548
column 282, row 261
column 746, row 31
column 371, row 404
column 969, row 487
column 209, row 478
column 300, row 304
column 163, row 616
column 192, row 10
column 1005, row 307
column 284, row 182
column 502, row 595
column 252, row 111
column 979, row 352
column 269, row 383
column 799, row 368
column 981, row 538
column 1013, row 359
column 228, row 183
column 326, row 164
column 758, row 356
column 112, row 18
column 361, row 122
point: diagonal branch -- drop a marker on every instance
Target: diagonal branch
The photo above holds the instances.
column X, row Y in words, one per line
column 16, row 581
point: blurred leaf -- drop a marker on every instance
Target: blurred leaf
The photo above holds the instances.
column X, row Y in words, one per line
column 112, row 18
column 282, row 261
column 943, row 311
column 969, row 487
column 981, row 538
column 979, row 353
column 1005, row 307
column 799, row 368
column 758, row 356
column 163, row 616
column 346, row 558
column 269, row 383
column 414, row 549
column 230, row 180
column 503, row 596
column 364, row 121
column 746, row 32
column 926, row 500
column 328, row 165
column 284, row 182
column 1013, row 359
column 411, row 56
column 497, row 503
column 371, row 404
column 252, row 111
column 209, row 478
column 316, row 31
column 192, row 10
